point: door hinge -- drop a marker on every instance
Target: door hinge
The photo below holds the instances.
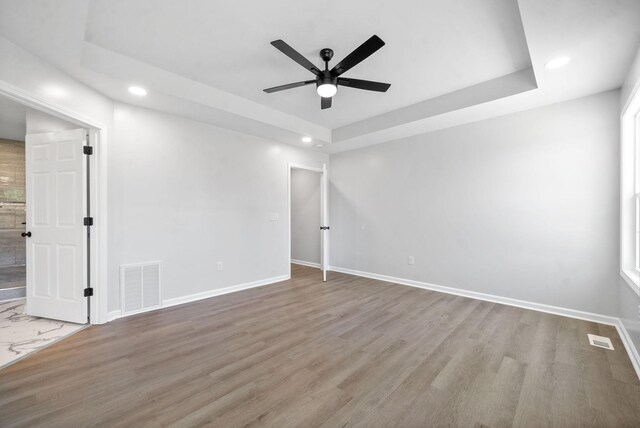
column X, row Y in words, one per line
column 324, row 227
column 87, row 150
column 88, row 221
column 88, row 292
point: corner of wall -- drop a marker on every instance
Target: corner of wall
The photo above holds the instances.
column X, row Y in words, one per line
column 631, row 82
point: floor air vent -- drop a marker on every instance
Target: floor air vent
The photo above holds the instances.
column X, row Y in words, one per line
column 140, row 287
column 600, row 341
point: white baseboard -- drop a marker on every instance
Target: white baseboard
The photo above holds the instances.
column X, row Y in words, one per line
column 630, row 347
column 556, row 310
column 112, row 315
column 304, row 263
column 220, row 291
column 199, row 296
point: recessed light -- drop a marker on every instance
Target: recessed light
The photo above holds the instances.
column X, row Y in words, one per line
column 306, row 139
column 137, row 90
column 557, row 62
column 319, row 145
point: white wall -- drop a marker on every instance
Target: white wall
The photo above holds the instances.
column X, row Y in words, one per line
column 523, row 206
column 305, row 215
column 632, row 80
column 13, row 120
column 629, row 312
column 30, row 74
column 629, row 301
column 210, row 191
column 190, row 195
column 38, row 122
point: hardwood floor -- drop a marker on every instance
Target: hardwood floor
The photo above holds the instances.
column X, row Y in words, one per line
column 351, row 352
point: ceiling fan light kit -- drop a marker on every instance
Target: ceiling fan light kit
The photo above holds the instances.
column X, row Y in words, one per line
column 327, row 81
column 327, row 88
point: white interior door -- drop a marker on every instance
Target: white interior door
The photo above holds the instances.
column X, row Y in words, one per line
column 324, row 237
column 55, row 206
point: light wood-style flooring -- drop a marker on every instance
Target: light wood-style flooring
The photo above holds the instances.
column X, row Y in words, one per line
column 351, row 352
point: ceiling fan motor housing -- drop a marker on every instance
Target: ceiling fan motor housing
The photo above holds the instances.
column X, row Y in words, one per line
column 326, row 54
column 326, row 79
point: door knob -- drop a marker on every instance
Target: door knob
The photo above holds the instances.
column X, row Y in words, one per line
column 26, row 234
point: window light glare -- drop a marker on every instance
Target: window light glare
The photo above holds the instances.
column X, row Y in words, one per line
column 557, row 62
column 137, row 90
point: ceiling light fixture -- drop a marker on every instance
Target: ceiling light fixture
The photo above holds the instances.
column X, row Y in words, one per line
column 137, row 90
column 306, row 139
column 557, row 62
column 327, row 90
column 319, row 145
column 328, row 80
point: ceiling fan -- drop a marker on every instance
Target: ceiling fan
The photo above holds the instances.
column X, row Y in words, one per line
column 327, row 81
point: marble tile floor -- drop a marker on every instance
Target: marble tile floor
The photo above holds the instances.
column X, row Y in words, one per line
column 21, row 334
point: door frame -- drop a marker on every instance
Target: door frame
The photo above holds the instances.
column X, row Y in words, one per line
column 321, row 171
column 98, row 184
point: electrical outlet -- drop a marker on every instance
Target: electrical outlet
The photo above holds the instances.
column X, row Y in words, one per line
column 220, row 266
column 410, row 260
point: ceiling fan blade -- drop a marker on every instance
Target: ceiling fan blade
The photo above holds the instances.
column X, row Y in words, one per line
column 288, row 86
column 296, row 56
column 325, row 103
column 361, row 53
column 367, row 85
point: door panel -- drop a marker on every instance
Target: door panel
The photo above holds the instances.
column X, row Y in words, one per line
column 66, row 202
column 38, row 267
column 67, row 280
column 40, row 198
column 55, row 201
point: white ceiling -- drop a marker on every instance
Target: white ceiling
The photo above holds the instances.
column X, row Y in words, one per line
column 13, row 120
column 227, row 46
column 448, row 61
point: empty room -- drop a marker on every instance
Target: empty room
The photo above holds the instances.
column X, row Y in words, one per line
column 319, row 214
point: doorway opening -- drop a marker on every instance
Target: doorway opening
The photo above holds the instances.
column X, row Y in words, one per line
column 12, row 200
column 45, row 194
column 308, row 220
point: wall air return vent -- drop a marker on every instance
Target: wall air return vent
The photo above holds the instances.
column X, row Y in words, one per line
column 600, row 341
column 140, row 287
